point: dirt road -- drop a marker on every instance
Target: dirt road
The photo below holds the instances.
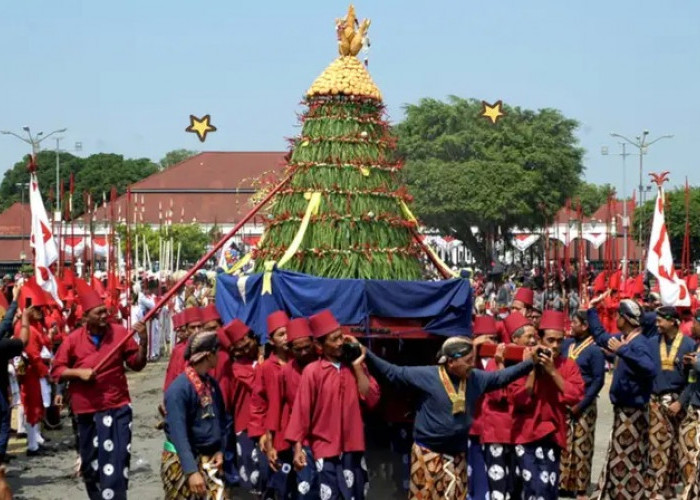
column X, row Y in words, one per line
column 50, row 477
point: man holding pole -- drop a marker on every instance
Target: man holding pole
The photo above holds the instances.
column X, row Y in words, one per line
column 100, row 397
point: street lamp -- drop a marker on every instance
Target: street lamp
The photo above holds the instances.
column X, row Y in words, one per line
column 35, row 142
column 625, row 219
column 642, row 146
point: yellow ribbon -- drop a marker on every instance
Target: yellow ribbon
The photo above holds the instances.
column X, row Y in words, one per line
column 267, row 277
column 311, row 209
column 668, row 358
column 409, row 215
column 575, row 352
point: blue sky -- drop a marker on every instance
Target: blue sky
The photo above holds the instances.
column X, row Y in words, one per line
column 124, row 76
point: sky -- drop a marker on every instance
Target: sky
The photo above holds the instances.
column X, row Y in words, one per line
column 124, row 76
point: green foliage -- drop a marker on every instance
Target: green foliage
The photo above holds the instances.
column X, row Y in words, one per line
column 194, row 241
column 345, row 152
column 675, row 222
column 174, row 157
column 465, row 171
column 95, row 174
column 593, row 196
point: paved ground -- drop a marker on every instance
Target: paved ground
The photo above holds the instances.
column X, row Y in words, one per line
column 49, row 477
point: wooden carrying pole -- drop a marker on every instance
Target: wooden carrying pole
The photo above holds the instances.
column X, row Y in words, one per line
column 169, row 294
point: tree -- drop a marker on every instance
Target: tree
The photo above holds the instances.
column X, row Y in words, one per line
column 593, row 196
column 95, row 174
column 675, row 222
column 466, row 172
column 176, row 156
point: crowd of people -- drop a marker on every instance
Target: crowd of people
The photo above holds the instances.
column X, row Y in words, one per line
column 509, row 412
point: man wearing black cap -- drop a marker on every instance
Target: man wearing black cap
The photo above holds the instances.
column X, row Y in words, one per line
column 623, row 474
column 665, row 411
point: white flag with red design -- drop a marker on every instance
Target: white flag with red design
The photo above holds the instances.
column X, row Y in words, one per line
column 42, row 241
column 673, row 290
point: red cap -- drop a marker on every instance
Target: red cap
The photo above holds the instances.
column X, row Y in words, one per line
column 236, row 330
column 552, row 320
column 224, row 340
column 192, row 315
column 178, row 320
column 30, row 290
column 210, row 313
column 275, row 320
column 87, row 297
column 323, row 323
column 298, row 328
column 515, row 321
column 525, row 295
column 484, row 325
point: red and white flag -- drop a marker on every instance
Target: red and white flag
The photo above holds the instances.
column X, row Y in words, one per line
column 673, row 290
column 42, row 241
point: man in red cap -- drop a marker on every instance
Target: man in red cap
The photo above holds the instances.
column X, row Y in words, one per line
column 210, row 317
column 577, row 457
column 244, row 353
column 494, row 418
column 100, row 400
column 327, row 412
column 286, row 482
column 188, row 322
column 540, row 401
column 266, row 394
column 34, row 369
column 523, row 301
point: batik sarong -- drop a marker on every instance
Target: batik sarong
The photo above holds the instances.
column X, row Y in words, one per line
column 664, row 449
column 437, row 476
column 577, row 457
column 538, row 469
column 104, row 441
column 175, row 481
column 690, row 452
column 623, row 474
column 343, row 478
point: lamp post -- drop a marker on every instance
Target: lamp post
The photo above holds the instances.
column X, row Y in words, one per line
column 35, row 142
column 642, row 146
column 21, row 186
column 625, row 219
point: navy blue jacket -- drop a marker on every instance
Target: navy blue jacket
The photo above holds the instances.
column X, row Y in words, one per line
column 436, row 428
column 691, row 393
column 674, row 380
column 591, row 363
column 637, row 367
column 6, row 329
column 190, row 433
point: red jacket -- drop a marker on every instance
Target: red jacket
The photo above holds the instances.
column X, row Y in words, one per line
column 494, row 416
column 327, row 411
column 176, row 365
column 239, row 391
column 110, row 388
column 543, row 412
column 265, row 400
column 36, row 369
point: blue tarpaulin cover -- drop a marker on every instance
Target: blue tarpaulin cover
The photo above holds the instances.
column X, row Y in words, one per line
column 445, row 305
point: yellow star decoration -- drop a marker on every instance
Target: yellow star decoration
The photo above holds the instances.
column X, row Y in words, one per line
column 200, row 126
column 492, row 111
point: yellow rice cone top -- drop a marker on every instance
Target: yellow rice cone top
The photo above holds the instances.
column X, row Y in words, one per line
column 345, row 76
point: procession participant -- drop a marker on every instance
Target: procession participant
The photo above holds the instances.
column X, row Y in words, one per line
column 447, row 405
column 539, row 405
column 100, row 400
column 577, row 456
column 9, row 348
column 623, row 475
column 535, row 316
column 523, row 301
column 665, row 409
column 497, row 418
column 327, row 414
column 478, row 485
column 33, row 367
column 194, row 426
column 210, row 317
column 176, row 364
column 690, row 427
column 289, row 483
column 245, row 362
